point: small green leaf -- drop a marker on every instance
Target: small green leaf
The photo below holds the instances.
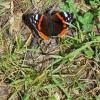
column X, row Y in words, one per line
column 89, row 53
column 88, row 18
column 81, row 19
column 95, row 3
column 87, row 27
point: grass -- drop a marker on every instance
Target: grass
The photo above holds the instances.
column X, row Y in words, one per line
column 72, row 72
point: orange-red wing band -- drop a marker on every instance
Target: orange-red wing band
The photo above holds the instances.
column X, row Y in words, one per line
column 41, row 34
column 61, row 34
column 39, row 23
column 61, row 18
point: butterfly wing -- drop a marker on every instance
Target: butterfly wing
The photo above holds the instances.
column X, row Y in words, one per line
column 59, row 21
column 37, row 23
column 59, row 28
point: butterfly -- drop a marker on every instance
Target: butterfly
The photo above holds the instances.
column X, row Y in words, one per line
column 48, row 25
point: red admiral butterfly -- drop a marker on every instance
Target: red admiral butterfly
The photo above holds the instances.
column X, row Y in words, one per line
column 46, row 26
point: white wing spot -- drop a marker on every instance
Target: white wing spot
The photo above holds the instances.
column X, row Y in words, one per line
column 36, row 17
column 68, row 18
column 66, row 15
